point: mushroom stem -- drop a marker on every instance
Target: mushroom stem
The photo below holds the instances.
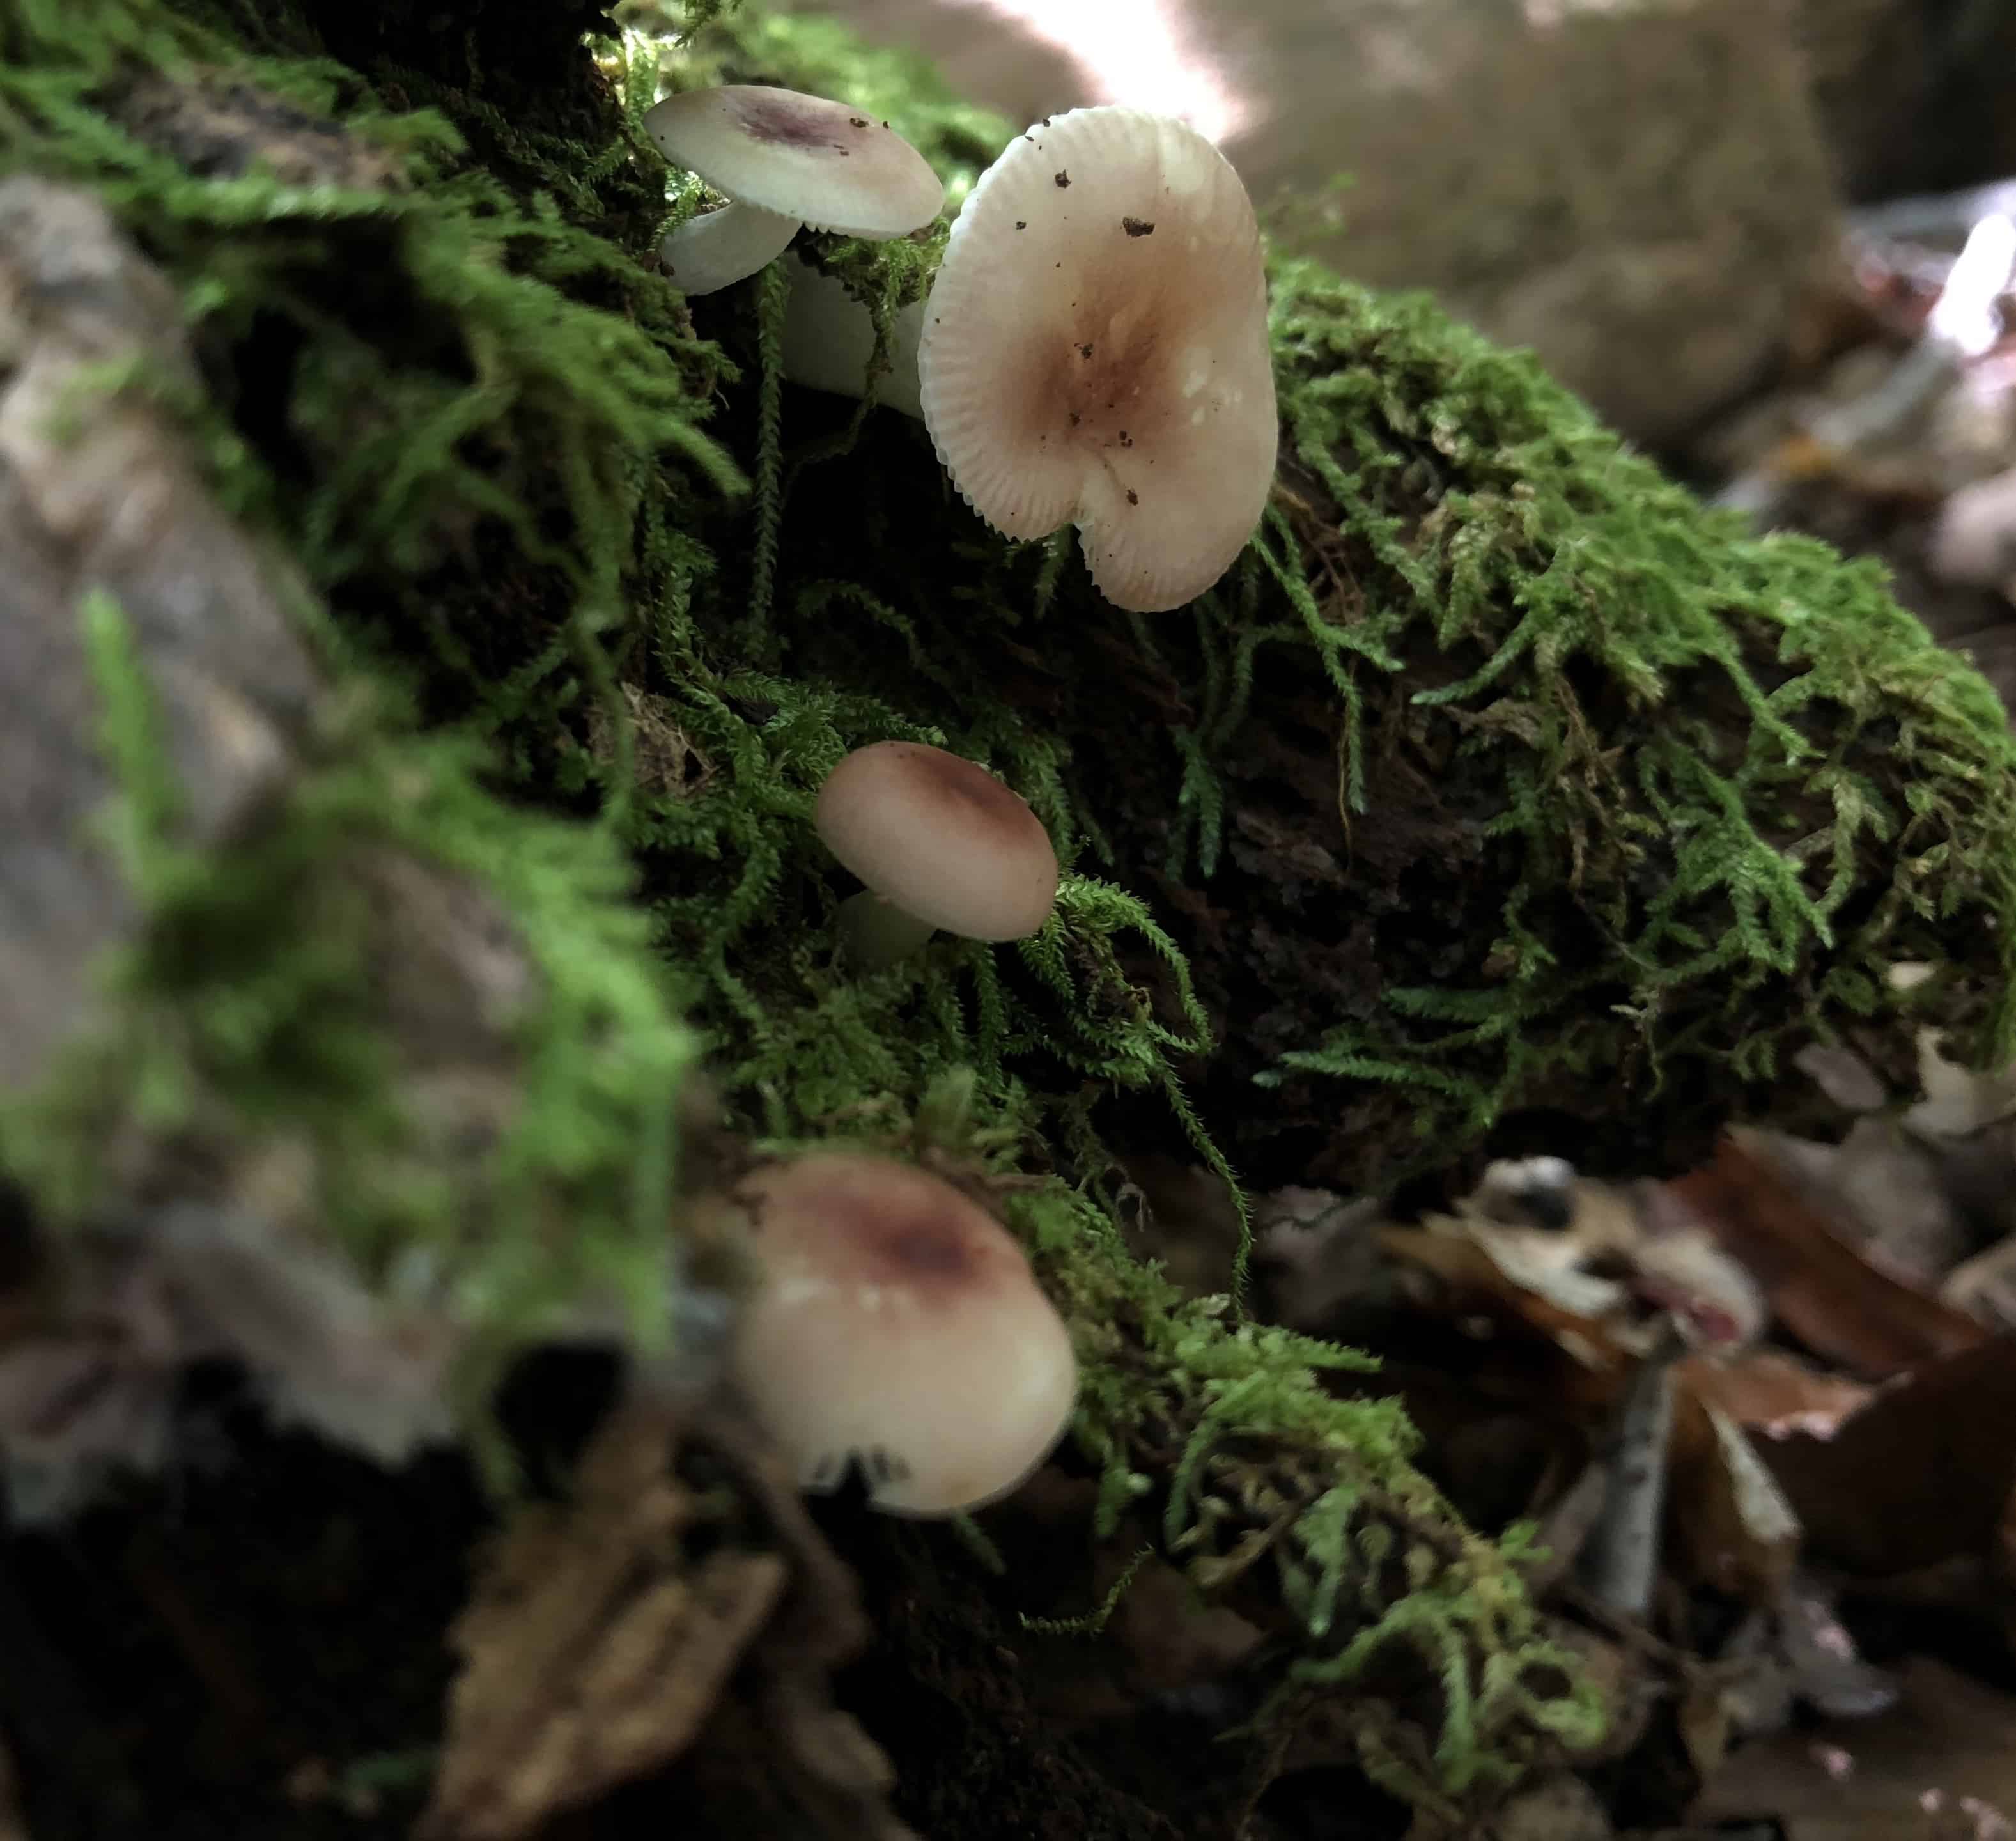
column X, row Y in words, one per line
column 877, row 934
column 830, row 340
column 719, row 248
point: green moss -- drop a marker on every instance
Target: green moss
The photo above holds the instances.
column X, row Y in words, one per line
column 1498, row 776
column 451, row 395
column 1301, row 1508
column 1612, row 806
column 1734, row 766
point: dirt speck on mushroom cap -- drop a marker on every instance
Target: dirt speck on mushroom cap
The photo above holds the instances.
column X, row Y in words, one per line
column 1081, row 370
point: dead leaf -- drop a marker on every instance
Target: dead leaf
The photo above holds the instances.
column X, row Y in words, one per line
column 1705, row 1723
column 1771, row 1392
column 1827, row 1673
column 1818, row 1286
column 592, row 1651
column 1920, row 1475
column 1963, row 1818
column 1566, row 1526
column 1985, row 1286
column 1729, row 1524
column 1479, row 1283
column 1945, row 1730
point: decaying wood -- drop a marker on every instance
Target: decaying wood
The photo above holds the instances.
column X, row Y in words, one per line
column 592, row 1651
column 597, row 1650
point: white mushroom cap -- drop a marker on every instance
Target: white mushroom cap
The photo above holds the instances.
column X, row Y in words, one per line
column 1095, row 352
column 941, row 838
column 718, row 248
column 823, row 163
column 897, row 1325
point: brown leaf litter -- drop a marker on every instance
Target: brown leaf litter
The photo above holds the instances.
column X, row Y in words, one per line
column 608, row 1633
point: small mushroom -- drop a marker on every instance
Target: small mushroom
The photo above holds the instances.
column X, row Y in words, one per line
column 940, row 843
column 896, row 1328
column 784, row 159
column 1095, row 352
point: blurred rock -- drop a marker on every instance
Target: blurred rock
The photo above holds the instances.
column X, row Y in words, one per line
column 1508, row 165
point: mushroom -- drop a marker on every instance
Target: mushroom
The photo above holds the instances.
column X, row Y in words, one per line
column 896, row 1326
column 940, row 843
column 782, row 159
column 718, row 248
column 829, row 338
column 1095, row 352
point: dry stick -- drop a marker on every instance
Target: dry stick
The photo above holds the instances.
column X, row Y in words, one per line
column 1621, row 1561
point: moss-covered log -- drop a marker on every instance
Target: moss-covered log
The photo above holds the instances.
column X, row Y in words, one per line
column 1498, row 785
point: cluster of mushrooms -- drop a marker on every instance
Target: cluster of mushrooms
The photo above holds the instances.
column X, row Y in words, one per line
column 1094, row 348
column 1093, row 352
column 894, row 1329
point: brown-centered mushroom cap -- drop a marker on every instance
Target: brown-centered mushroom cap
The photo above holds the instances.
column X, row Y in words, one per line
column 897, row 1325
column 830, row 165
column 941, row 838
column 1095, row 351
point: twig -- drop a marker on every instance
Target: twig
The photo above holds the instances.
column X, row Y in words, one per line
column 1620, row 1560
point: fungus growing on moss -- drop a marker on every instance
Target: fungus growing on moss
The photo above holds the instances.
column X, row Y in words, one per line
column 781, row 159
column 1097, row 352
column 940, row 843
column 896, row 1326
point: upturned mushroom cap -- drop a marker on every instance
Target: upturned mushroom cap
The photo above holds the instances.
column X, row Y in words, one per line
column 940, row 838
column 1095, row 352
column 897, row 1325
column 719, row 248
column 823, row 163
